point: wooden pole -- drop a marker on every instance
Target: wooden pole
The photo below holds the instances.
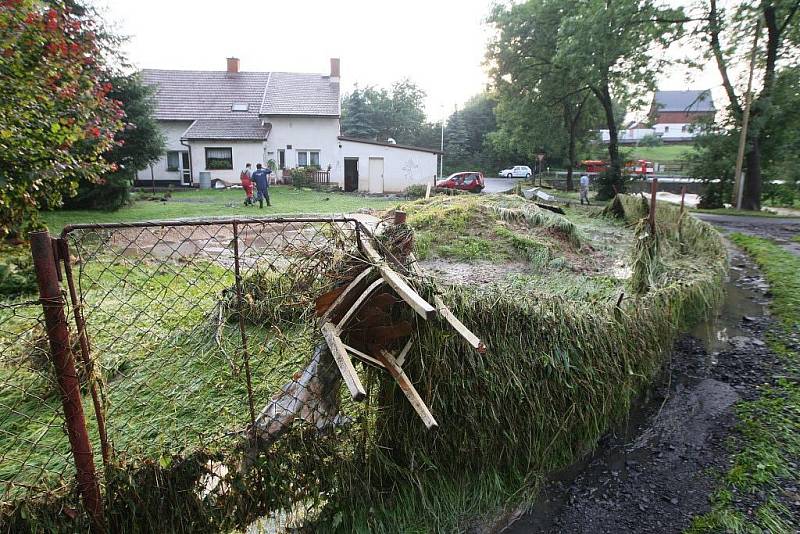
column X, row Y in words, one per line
column 683, row 197
column 738, row 178
column 653, row 190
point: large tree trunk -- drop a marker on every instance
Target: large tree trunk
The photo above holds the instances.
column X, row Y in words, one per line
column 751, row 193
column 613, row 179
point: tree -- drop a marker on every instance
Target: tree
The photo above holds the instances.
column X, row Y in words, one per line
column 456, row 143
column 774, row 21
column 356, row 115
column 561, row 50
column 56, row 118
column 548, row 105
column 382, row 114
column 138, row 144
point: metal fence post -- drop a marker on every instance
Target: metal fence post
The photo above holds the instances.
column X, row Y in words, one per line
column 240, row 313
column 58, row 335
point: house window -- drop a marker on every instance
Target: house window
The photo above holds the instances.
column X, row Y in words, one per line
column 685, row 128
column 240, row 106
column 219, row 158
column 666, row 129
column 307, row 158
column 173, row 158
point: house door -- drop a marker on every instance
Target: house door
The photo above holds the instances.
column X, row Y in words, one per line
column 281, row 159
column 376, row 175
column 350, row 174
column 186, row 169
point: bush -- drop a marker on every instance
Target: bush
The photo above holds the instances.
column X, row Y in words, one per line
column 416, row 191
column 781, row 195
column 303, row 176
column 110, row 194
column 651, row 140
column 16, row 272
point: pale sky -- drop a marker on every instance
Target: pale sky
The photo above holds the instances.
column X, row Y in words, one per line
column 439, row 44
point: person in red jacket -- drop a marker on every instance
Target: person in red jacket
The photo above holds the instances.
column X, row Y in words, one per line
column 247, row 185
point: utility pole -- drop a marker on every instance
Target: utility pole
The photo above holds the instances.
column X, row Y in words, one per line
column 738, row 177
column 441, row 147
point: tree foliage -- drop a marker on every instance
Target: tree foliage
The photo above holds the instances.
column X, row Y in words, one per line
column 554, row 49
column 138, row 144
column 727, row 38
column 381, row 114
column 56, row 116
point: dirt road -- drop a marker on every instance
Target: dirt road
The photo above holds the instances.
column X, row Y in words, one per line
column 655, row 472
column 781, row 229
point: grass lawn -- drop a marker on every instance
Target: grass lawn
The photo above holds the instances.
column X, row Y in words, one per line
column 659, row 153
column 225, row 203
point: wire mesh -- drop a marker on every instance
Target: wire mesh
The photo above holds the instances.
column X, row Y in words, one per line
column 34, row 449
column 188, row 357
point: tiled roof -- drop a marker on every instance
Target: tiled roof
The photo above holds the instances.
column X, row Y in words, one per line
column 244, row 128
column 684, row 101
column 290, row 93
column 192, row 94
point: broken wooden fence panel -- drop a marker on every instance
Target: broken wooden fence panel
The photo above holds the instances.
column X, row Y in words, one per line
column 339, row 353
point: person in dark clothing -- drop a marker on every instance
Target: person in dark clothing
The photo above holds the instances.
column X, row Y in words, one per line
column 261, row 178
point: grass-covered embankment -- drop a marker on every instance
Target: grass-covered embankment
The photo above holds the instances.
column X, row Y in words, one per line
column 558, row 373
column 561, row 367
column 767, row 459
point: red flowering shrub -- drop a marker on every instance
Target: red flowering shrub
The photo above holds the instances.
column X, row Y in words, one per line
column 56, row 119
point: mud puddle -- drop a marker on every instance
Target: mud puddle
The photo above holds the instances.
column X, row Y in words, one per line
column 651, row 473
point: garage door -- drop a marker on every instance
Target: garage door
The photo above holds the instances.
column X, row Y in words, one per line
column 376, row 175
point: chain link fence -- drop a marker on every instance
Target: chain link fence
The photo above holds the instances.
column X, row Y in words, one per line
column 192, row 340
column 34, row 452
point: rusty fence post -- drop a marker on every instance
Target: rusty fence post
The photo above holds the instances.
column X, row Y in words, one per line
column 47, row 276
column 86, row 354
column 653, row 191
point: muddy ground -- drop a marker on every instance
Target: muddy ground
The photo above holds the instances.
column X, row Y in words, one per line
column 656, row 471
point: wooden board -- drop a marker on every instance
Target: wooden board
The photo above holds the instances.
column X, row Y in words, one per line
column 408, row 389
column 458, row 326
column 349, row 294
column 337, row 348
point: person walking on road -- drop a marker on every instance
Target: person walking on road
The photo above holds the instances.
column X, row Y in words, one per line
column 247, row 185
column 261, row 178
column 585, row 189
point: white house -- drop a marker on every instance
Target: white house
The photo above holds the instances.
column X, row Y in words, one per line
column 674, row 116
column 217, row 121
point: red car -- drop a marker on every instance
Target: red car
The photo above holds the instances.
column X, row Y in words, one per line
column 471, row 181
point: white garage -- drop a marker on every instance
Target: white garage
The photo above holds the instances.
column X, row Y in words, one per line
column 376, row 167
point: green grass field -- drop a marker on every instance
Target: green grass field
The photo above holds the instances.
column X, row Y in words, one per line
column 215, row 203
column 659, row 153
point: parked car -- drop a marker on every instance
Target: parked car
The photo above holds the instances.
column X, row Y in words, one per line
column 466, row 181
column 517, row 171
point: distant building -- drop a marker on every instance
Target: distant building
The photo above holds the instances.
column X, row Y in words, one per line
column 674, row 116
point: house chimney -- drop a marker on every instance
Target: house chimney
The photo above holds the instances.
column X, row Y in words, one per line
column 233, row 64
column 335, row 69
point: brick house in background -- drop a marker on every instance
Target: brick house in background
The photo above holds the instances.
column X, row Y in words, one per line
column 673, row 113
column 672, row 117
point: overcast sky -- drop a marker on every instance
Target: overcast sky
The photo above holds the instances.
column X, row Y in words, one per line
column 439, row 44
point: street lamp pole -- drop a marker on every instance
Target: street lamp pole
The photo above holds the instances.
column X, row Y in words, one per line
column 441, row 147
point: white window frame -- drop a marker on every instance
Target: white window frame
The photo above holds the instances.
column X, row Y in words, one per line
column 308, row 152
column 178, row 158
